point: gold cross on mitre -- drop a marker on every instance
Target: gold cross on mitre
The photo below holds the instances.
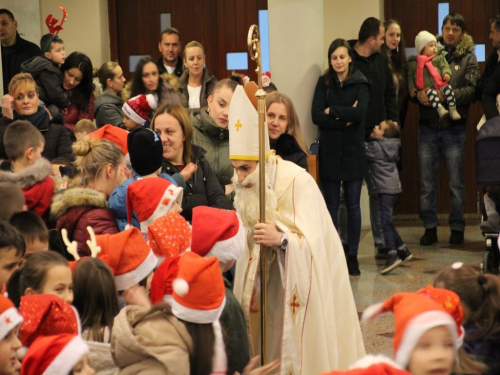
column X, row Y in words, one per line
column 238, row 125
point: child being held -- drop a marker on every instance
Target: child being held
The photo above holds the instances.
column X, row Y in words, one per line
column 431, row 70
column 84, row 127
column 45, row 71
column 382, row 153
column 33, row 230
column 24, row 145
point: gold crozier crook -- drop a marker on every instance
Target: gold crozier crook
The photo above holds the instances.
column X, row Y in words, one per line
column 254, row 50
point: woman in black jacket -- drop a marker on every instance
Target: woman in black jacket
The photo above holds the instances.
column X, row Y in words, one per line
column 284, row 129
column 22, row 103
column 173, row 126
column 339, row 108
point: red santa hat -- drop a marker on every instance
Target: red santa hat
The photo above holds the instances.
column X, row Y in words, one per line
column 266, row 79
column 151, row 198
column 46, row 315
column 130, row 257
column 139, row 108
column 218, row 233
column 54, row 355
column 199, row 297
column 372, row 365
column 10, row 318
column 414, row 314
column 169, row 236
column 161, row 285
column 113, row 134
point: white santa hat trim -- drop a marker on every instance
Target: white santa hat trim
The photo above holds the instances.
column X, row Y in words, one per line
column 372, row 359
column 196, row 316
column 174, row 193
column 232, row 248
column 417, row 327
column 129, row 279
column 67, row 358
column 219, row 358
column 168, row 299
column 10, row 318
column 131, row 114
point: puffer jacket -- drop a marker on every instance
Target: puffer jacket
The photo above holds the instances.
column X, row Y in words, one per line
column 108, row 110
column 159, row 345
column 208, row 82
column 57, row 142
column 383, row 155
column 439, row 62
column 287, row 147
column 215, row 141
column 77, row 208
column 464, row 76
column 202, row 189
column 49, row 80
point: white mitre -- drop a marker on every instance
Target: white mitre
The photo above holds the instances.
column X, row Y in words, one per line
column 244, row 128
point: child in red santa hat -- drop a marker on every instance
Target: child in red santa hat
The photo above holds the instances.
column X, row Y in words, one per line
column 63, row 354
column 372, row 365
column 10, row 319
column 426, row 337
column 136, row 111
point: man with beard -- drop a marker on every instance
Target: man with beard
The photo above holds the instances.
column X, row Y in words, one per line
column 170, row 47
column 312, row 322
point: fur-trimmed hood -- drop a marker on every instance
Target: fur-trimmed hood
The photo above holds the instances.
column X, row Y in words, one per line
column 30, row 175
column 463, row 48
column 76, row 197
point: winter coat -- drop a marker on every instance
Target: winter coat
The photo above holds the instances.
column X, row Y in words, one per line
column 341, row 150
column 37, row 185
column 72, row 114
column 489, row 68
column 77, row 208
column 382, row 104
column 383, row 155
column 14, row 56
column 179, row 69
column 287, row 147
column 57, row 142
column 49, row 80
column 118, row 201
column 439, row 62
column 208, row 82
column 232, row 320
column 170, row 93
column 159, row 345
column 490, row 92
column 464, row 75
column 108, row 110
column 202, row 189
column 215, row 141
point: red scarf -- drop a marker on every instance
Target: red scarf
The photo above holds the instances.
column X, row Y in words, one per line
column 425, row 61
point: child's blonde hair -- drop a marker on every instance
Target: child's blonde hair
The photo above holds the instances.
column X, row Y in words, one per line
column 85, row 126
column 92, row 154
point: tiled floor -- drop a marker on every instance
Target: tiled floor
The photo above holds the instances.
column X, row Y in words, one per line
column 371, row 287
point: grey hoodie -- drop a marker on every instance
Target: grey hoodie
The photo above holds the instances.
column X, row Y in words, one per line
column 108, row 110
column 382, row 155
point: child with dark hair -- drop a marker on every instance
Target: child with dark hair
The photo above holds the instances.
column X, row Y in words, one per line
column 24, row 145
column 382, row 152
column 45, row 70
column 12, row 198
column 480, row 297
column 12, row 249
column 33, row 230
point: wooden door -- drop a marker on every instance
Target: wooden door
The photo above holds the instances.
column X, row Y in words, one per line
column 415, row 16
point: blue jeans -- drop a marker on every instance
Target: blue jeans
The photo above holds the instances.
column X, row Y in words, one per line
column 434, row 144
column 378, row 238
column 386, row 207
column 352, row 196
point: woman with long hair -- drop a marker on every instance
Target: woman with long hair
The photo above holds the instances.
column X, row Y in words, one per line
column 339, row 107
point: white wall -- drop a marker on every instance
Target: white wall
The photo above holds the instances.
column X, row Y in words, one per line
column 86, row 28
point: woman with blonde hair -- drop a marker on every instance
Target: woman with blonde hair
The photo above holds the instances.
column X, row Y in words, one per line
column 173, row 126
column 103, row 167
column 284, row 129
column 108, row 105
column 196, row 82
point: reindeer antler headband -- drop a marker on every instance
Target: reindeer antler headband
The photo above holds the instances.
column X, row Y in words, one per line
column 54, row 29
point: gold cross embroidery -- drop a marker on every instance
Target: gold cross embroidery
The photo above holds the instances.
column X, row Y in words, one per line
column 238, row 125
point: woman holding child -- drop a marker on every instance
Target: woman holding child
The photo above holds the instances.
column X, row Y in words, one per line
column 339, row 106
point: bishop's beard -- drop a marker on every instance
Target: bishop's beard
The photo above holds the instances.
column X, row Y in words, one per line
column 246, row 201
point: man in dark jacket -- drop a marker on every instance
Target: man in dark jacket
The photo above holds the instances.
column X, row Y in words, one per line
column 488, row 86
column 382, row 106
column 170, row 47
column 15, row 50
column 446, row 138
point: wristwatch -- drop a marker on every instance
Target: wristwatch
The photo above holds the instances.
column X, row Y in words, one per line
column 284, row 241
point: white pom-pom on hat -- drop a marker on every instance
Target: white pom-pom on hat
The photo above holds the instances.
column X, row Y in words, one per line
column 457, row 265
column 180, row 286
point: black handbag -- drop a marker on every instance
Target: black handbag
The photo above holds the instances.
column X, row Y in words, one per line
column 314, row 149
